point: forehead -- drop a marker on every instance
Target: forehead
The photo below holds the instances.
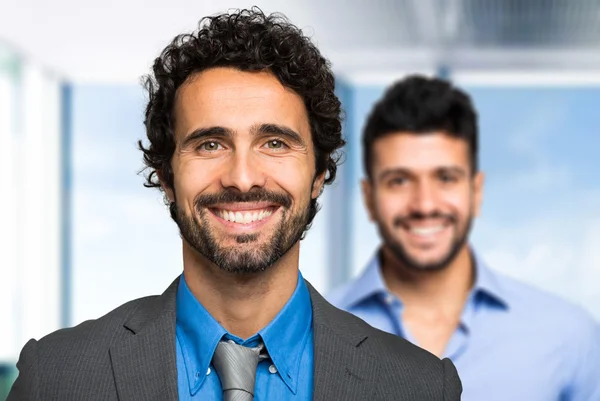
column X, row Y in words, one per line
column 235, row 99
column 419, row 151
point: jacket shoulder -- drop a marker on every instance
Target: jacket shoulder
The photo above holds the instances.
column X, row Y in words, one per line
column 403, row 363
column 84, row 347
column 92, row 333
column 73, row 360
column 424, row 371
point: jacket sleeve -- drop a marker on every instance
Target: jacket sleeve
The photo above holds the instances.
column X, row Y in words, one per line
column 452, row 384
column 25, row 388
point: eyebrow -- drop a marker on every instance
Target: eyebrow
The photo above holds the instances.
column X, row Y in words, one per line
column 452, row 169
column 280, row 130
column 404, row 171
column 209, row 132
column 393, row 171
column 222, row 132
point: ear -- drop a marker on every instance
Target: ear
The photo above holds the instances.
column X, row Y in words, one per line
column 478, row 181
column 169, row 193
column 318, row 184
column 367, row 192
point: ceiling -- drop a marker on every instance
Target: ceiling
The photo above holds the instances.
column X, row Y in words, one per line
column 116, row 41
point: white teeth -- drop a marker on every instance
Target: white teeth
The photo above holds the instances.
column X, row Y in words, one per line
column 244, row 218
column 426, row 230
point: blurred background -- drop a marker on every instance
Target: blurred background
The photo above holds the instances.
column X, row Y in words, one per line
column 80, row 235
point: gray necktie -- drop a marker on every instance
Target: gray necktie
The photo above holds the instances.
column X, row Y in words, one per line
column 236, row 367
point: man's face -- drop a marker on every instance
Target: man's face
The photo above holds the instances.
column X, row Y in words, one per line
column 244, row 168
column 422, row 196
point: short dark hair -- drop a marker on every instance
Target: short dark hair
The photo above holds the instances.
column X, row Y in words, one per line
column 251, row 41
column 418, row 104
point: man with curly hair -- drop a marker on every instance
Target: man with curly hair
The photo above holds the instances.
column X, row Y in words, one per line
column 244, row 131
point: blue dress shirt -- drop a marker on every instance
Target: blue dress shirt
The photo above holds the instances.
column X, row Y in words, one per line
column 287, row 375
column 513, row 342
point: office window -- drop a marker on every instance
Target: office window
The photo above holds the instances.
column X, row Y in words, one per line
column 30, row 205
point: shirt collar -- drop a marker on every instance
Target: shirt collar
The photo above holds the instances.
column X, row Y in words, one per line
column 487, row 283
column 285, row 337
column 369, row 284
column 198, row 334
column 288, row 334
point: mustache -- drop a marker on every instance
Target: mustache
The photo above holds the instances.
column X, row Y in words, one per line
column 235, row 196
column 418, row 216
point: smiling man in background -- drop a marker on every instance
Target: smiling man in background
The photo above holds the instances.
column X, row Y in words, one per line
column 243, row 128
column 423, row 188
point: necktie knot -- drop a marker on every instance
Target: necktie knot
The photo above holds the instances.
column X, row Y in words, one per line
column 236, row 367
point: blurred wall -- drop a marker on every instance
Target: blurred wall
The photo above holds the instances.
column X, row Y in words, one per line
column 31, row 202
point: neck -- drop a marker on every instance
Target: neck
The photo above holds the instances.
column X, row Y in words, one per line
column 242, row 303
column 445, row 289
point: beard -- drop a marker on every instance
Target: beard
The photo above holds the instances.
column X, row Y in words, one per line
column 198, row 233
column 404, row 257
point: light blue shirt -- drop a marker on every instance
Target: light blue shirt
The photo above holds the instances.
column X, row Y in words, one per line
column 513, row 342
column 287, row 375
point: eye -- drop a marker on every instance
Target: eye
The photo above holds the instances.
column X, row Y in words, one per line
column 396, row 181
column 275, row 144
column 447, row 178
column 210, row 146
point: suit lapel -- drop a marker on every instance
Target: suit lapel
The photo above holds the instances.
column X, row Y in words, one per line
column 342, row 371
column 144, row 356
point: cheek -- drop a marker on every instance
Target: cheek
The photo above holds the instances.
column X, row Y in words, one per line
column 299, row 188
column 192, row 177
column 460, row 203
column 389, row 206
column 293, row 176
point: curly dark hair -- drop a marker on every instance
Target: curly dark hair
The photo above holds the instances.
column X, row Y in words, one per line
column 247, row 40
column 420, row 105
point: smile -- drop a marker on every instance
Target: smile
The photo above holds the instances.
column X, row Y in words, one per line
column 427, row 231
column 241, row 216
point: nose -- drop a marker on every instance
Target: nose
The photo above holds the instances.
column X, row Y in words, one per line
column 243, row 172
column 424, row 199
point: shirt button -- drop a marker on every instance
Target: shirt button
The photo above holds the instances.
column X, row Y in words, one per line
column 389, row 299
column 208, row 372
column 272, row 369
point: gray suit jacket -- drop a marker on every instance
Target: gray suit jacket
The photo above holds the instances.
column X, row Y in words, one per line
column 129, row 354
